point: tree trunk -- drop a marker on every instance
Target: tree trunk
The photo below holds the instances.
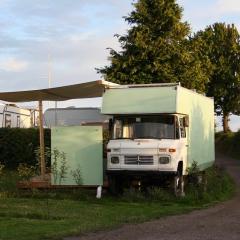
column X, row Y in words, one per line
column 225, row 121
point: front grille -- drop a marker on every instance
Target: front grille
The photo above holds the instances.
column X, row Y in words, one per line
column 138, row 160
column 131, row 159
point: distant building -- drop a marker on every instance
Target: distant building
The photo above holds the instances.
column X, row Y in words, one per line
column 73, row 116
column 12, row 116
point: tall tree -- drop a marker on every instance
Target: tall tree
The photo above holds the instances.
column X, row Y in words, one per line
column 221, row 43
column 156, row 49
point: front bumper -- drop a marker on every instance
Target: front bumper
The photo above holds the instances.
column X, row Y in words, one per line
column 139, row 173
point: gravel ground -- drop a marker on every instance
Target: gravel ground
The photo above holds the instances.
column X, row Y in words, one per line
column 221, row 222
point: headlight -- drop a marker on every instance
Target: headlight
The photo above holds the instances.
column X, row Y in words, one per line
column 115, row 160
column 164, row 160
column 116, row 150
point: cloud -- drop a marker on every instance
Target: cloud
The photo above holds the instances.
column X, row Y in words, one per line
column 44, row 19
column 203, row 13
column 75, row 32
column 228, row 6
column 13, row 65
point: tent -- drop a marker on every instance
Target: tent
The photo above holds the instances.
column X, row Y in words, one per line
column 76, row 91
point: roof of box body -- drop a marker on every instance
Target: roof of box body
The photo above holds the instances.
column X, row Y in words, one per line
column 144, row 85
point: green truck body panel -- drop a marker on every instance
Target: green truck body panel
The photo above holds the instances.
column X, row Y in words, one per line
column 200, row 110
column 170, row 99
column 83, row 148
column 139, row 100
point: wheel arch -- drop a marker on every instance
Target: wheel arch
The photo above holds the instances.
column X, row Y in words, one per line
column 180, row 168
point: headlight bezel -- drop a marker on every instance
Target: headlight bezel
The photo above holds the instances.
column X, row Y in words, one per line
column 114, row 159
column 164, row 159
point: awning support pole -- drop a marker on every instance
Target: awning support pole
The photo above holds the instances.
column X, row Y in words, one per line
column 41, row 134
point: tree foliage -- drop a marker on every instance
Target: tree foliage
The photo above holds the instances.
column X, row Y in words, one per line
column 159, row 48
column 221, row 44
column 156, row 49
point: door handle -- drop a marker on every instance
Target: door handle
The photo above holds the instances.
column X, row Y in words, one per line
column 186, row 145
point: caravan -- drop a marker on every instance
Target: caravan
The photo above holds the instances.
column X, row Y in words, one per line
column 12, row 116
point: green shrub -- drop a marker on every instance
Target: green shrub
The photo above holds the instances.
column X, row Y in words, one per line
column 219, row 183
column 59, row 167
column 17, row 145
column 77, row 175
column 194, row 169
column 25, row 172
column 194, row 174
column 47, row 153
column 219, row 186
column 228, row 143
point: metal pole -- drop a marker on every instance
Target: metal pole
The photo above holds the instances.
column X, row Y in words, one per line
column 50, row 83
column 55, row 115
column 49, row 71
column 41, row 134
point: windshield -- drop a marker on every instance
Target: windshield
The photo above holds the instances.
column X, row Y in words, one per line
column 158, row 127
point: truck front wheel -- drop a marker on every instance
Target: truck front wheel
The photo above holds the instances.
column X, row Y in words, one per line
column 178, row 181
column 178, row 185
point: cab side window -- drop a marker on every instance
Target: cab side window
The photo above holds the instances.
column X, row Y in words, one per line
column 182, row 128
column 177, row 128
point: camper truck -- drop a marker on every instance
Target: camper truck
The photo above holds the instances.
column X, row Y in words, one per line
column 157, row 130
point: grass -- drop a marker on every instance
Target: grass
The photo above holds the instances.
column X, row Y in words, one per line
column 53, row 215
column 28, row 218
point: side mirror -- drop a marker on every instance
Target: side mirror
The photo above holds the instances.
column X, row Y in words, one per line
column 186, row 121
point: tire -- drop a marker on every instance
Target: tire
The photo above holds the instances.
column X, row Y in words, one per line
column 178, row 185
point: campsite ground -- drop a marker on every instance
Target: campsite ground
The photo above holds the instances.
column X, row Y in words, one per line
column 216, row 223
column 42, row 218
column 53, row 215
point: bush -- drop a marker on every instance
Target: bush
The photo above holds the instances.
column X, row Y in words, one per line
column 228, row 143
column 77, row 175
column 219, row 186
column 25, row 172
column 201, row 188
column 17, row 145
column 48, row 155
column 59, row 166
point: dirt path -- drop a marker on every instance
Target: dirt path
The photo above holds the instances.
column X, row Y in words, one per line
column 221, row 222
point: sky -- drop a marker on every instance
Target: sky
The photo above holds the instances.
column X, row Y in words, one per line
column 71, row 37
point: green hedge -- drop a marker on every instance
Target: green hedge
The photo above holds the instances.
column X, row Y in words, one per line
column 228, row 143
column 17, row 145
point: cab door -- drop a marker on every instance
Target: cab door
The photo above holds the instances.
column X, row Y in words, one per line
column 184, row 143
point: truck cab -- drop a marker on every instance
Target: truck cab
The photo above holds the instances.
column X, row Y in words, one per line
column 154, row 143
column 144, row 146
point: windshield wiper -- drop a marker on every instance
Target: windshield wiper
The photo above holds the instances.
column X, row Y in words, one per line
column 123, row 138
column 149, row 137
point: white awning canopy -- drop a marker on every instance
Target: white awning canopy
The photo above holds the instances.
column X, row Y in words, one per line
column 82, row 90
